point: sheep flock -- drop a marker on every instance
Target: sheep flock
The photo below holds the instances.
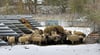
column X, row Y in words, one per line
column 52, row 35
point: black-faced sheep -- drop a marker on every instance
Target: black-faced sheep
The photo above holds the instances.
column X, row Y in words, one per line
column 48, row 29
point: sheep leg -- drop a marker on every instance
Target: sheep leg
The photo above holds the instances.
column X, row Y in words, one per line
column 26, row 42
column 39, row 43
column 72, row 42
column 13, row 43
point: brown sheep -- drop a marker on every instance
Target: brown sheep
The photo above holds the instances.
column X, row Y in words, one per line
column 74, row 38
column 79, row 33
column 40, row 32
column 23, row 20
column 53, row 38
column 28, row 25
column 37, row 38
column 54, row 35
column 11, row 40
column 37, row 31
column 68, row 32
column 57, row 28
column 24, row 39
column 48, row 29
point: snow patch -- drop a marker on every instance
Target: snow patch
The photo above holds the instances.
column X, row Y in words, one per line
column 88, row 49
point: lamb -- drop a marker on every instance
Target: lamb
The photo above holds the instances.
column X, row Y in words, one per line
column 75, row 39
column 68, row 32
column 24, row 39
column 79, row 33
column 11, row 40
column 37, row 40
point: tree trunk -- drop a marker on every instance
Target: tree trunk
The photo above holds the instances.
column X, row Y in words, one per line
column 35, row 6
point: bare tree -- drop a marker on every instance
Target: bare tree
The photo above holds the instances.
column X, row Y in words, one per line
column 35, row 6
column 20, row 7
column 62, row 4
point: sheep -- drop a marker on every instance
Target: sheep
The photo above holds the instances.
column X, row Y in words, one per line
column 79, row 33
column 24, row 39
column 37, row 40
column 74, row 39
column 59, row 30
column 28, row 25
column 40, row 32
column 54, row 35
column 37, row 31
column 38, row 37
column 48, row 29
column 68, row 32
column 23, row 20
column 53, row 38
column 11, row 40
